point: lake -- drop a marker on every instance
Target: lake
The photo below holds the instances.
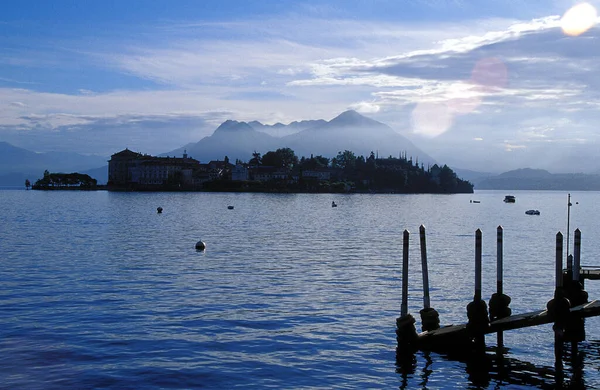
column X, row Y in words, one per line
column 101, row 291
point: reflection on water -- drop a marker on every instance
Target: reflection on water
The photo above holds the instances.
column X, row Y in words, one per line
column 496, row 368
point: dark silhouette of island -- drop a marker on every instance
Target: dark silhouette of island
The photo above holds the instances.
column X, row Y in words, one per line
column 64, row 181
column 282, row 171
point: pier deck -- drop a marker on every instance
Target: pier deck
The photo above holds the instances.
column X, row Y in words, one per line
column 447, row 333
column 591, row 274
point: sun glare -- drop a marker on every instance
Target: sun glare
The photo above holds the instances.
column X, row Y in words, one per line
column 578, row 19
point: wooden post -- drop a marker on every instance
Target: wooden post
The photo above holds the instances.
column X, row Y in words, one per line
column 499, row 260
column 477, row 265
column 568, row 220
column 559, row 266
column 577, row 257
column 499, row 274
column 426, row 300
column 558, row 302
column 404, row 306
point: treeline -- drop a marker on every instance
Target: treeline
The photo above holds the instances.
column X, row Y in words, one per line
column 64, row 181
column 348, row 172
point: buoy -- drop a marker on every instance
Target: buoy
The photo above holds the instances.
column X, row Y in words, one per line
column 200, row 246
column 333, row 204
column 230, row 207
column 159, row 210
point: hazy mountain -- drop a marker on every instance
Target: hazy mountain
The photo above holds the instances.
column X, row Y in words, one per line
column 100, row 174
column 232, row 139
column 281, row 130
column 18, row 164
column 472, row 176
column 348, row 131
column 354, row 132
column 539, row 179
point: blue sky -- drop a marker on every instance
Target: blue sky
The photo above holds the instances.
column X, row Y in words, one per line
column 481, row 84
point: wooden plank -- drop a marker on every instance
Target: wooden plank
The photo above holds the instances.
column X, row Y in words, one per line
column 455, row 333
column 591, row 274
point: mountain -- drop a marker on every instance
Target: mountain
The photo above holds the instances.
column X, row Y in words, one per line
column 539, row 179
column 232, row 139
column 348, row 131
column 354, row 132
column 18, row 164
column 472, row 176
column 281, row 130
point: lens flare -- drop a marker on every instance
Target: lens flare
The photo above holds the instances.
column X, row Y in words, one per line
column 431, row 119
column 490, row 74
column 578, row 19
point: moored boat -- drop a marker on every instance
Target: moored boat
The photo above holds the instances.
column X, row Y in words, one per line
column 509, row 199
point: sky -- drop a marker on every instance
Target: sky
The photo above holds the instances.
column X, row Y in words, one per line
column 485, row 85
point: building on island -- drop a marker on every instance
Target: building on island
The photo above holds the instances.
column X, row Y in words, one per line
column 132, row 170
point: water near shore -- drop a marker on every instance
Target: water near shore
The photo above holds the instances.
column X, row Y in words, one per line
column 100, row 291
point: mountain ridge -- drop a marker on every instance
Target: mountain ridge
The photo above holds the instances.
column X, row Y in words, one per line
column 347, row 131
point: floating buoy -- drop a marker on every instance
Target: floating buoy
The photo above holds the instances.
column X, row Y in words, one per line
column 333, row 204
column 200, row 246
column 230, row 207
column 159, row 209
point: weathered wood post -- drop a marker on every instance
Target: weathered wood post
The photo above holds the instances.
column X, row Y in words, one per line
column 405, row 324
column 575, row 328
column 477, row 265
column 559, row 307
column 430, row 318
column 499, row 259
column 499, row 301
column 577, row 256
column 404, row 305
column 499, row 276
column 477, row 310
column 426, row 300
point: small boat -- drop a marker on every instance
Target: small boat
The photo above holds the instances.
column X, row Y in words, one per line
column 475, row 201
column 509, row 199
column 230, row 207
column 333, row 204
column 532, row 212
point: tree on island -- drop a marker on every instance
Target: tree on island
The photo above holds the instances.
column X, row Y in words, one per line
column 256, row 159
column 281, row 158
column 65, row 180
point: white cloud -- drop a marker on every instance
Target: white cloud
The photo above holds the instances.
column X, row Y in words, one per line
column 422, row 77
column 365, row 107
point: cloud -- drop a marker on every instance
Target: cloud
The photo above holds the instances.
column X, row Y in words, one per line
column 507, row 84
column 365, row 107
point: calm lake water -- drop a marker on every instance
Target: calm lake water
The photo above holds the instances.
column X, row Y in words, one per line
column 100, row 291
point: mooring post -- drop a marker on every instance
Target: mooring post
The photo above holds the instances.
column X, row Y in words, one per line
column 559, row 308
column 426, row 301
column 577, row 256
column 404, row 306
column 430, row 318
column 477, row 310
column 559, row 263
column 575, row 327
column 577, row 294
column 499, row 259
column 499, row 276
column 499, row 301
column 405, row 324
column 477, row 265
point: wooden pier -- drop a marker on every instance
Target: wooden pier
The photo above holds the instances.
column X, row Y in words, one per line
column 566, row 310
column 453, row 335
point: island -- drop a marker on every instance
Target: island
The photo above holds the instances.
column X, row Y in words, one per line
column 282, row 171
column 65, row 181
